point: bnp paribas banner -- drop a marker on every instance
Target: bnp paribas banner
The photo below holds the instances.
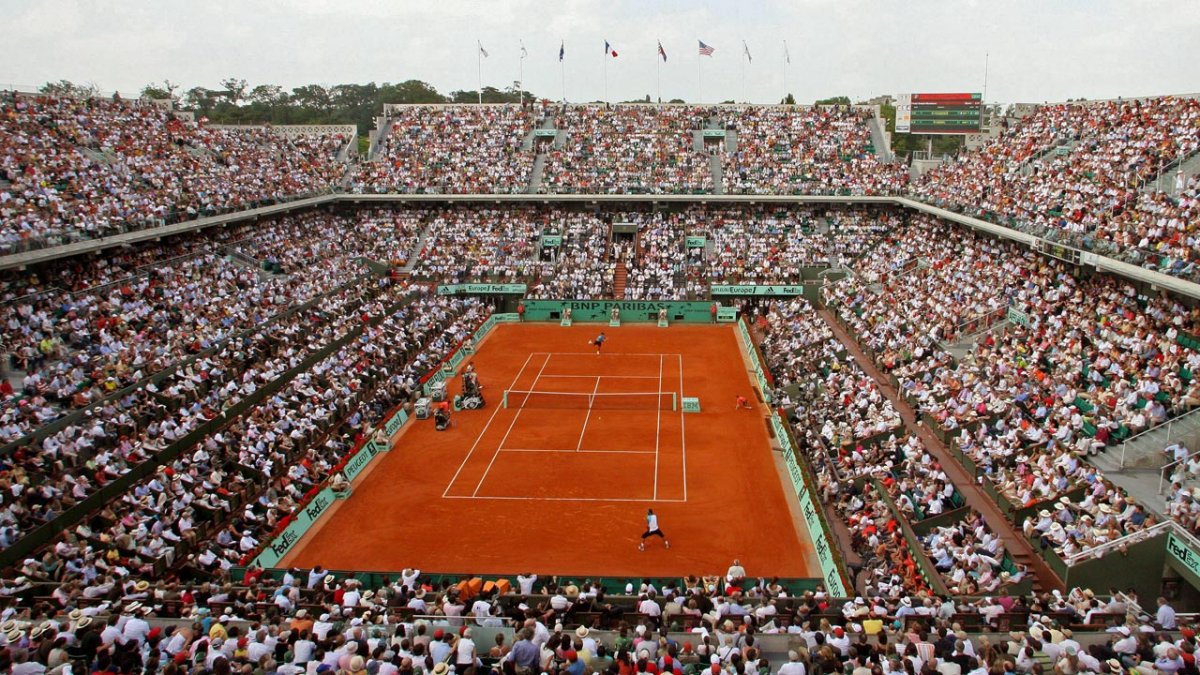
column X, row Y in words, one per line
column 773, row 290
column 627, row 310
column 481, row 289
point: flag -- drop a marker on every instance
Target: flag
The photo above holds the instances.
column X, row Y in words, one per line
column 662, row 52
column 705, row 50
column 561, row 51
column 524, row 52
column 786, row 55
column 481, row 49
column 746, row 51
column 609, row 50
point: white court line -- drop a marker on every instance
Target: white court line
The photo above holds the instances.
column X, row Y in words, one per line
column 570, row 499
column 610, row 377
column 558, row 450
column 606, row 354
column 485, row 428
column 658, row 425
column 588, row 416
column 508, row 431
column 682, row 435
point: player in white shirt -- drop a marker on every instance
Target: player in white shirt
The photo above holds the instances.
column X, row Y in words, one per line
column 652, row 531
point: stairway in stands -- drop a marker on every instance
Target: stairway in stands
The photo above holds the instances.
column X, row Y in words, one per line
column 619, row 277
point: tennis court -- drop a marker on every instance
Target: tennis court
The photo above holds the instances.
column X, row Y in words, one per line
column 555, row 474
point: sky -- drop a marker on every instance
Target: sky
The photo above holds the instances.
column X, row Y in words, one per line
column 1035, row 50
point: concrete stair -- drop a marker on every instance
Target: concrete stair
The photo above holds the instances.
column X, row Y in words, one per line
column 620, row 277
column 718, row 173
column 1165, row 182
column 414, row 256
column 731, row 140
column 535, row 174
column 879, row 139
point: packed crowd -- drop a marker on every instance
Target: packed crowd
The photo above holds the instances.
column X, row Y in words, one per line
column 815, row 150
column 242, row 470
column 628, row 149
column 84, row 168
column 1085, row 173
column 311, row 621
column 142, row 361
column 452, row 149
column 120, row 324
column 1080, row 363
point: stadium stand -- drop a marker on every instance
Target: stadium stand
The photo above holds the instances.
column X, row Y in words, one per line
column 1082, row 173
column 168, row 407
column 452, row 149
column 78, row 169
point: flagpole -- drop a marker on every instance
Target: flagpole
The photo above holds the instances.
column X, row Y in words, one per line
column 785, row 65
column 479, row 67
column 606, row 72
column 743, row 71
column 521, row 75
column 658, row 72
column 562, row 72
column 699, row 79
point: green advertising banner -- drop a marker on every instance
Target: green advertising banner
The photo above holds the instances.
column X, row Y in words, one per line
column 393, row 425
column 758, row 371
column 726, row 314
column 812, row 518
column 1018, row 317
column 360, row 460
column 551, row 241
column 696, row 242
column 545, row 133
column 747, row 290
column 713, row 133
column 631, row 310
column 481, row 289
column 1183, row 552
column 280, row 545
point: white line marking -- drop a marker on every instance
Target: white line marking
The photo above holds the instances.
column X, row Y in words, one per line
column 568, row 499
column 511, row 424
column 607, row 377
column 682, row 435
column 657, row 426
column 606, row 354
column 552, row 450
column 588, row 416
column 485, row 428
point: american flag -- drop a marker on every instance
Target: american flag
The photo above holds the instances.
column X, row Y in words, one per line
column 662, row 52
column 705, row 50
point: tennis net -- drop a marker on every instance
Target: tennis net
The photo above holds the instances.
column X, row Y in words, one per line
column 653, row 400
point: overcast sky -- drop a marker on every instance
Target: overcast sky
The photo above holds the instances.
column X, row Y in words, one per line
column 1039, row 49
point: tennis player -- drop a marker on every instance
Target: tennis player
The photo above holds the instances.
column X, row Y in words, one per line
column 599, row 341
column 741, row 402
column 652, row 531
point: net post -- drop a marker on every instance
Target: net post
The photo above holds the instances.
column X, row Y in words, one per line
column 504, row 401
column 673, row 402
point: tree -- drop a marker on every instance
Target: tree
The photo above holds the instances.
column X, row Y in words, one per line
column 313, row 96
column 788, row 100
column 160, row 92
column 234, row 89
column 410, row 91
column 490, row 95
column 677, row 100
column 836, row 100
column 69, row 89
column 200, row 99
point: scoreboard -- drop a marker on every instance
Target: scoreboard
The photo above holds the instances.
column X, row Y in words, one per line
column 939, row 114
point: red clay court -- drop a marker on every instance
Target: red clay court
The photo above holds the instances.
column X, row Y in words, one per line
column 559, row 481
